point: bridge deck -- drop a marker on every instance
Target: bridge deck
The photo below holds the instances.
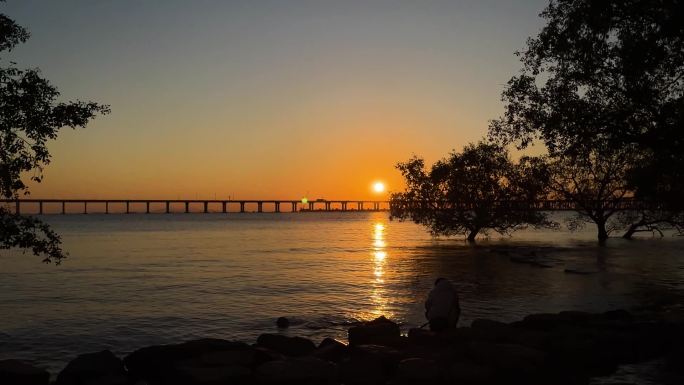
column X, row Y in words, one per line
column 298, row 206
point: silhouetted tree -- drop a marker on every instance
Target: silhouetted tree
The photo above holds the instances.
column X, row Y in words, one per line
column 596, row 182
column 30, row 116
column 472, row 192
column 605, row 75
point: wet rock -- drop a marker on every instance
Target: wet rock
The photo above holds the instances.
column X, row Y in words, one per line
column 289, row 346
column 296, row 371
column 17, row 372
column 380, row 331
column 162, row 363
column 418, row 371
column 94, row 368
column 283, row 323
column 331, row 350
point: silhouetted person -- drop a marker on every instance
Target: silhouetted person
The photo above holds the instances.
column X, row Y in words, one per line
column 442, row 308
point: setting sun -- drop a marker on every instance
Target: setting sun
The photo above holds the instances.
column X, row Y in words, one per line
column 378, row 187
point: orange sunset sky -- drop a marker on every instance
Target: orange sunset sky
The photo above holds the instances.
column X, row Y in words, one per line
column 267, row 99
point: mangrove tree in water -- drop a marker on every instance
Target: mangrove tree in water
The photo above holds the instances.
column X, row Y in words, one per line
column 472, row 192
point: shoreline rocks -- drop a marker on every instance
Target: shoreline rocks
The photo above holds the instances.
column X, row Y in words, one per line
column 561, row 348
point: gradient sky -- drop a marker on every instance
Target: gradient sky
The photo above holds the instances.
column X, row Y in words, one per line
column 267, row 99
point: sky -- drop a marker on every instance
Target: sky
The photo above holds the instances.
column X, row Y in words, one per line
column 267, row 99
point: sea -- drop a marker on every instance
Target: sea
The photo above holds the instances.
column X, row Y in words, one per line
column 142, row 279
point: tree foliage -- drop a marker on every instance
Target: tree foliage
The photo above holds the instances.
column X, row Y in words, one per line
column 30, row 116
column 596, row 183
column 602, row 78
column 466, row 193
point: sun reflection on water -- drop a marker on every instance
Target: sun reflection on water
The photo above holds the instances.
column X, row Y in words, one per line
column 379, row 296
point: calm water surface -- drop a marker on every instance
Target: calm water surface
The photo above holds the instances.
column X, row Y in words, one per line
column 136, row 280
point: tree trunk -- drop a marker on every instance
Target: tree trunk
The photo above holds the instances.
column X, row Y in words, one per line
column 472, row 235
column 633, row 228
column 630, row 231
column 602, row 233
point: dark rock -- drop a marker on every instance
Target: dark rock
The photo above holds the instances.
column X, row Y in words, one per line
column 424, row 337
column 331, row 350
column 383, row 357
column 580, row 270
column 517, row 359
column 162, row 363
column 283, row 322
column 618, row 315
column 296, row 371
column 102, row 367
column 379, row 331
column 213, row 375
column 470, row 373
column 418, row 371
column 357, row 371
column 17, row 372
column 579, row 353
column 289, row 346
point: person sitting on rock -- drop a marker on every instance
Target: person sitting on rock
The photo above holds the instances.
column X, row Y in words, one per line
column 442, row 308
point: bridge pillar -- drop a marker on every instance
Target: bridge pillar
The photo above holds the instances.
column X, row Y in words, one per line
column 242, row 207
column 63, row 207
column 260, row 207
column 327, row 206
column 311, row 206
column 359, row 206
column 277, row 207
column 376, row 206
column 106, row 207
column 147, row 207
column 344, row 206
column 128, row 211
column 167, row 207
column 223, row 207
column 18, row 207
column 206, row 207
column 294, row 207
column 85, row 207
column 187, row 207
column 40, row 208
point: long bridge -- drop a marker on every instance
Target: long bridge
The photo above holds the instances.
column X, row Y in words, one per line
column 127, row 206
column 130, row 206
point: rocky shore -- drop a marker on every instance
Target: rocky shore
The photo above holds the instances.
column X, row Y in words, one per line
column 565, row 348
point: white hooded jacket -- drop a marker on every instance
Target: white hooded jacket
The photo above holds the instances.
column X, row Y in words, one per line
column 443, row 302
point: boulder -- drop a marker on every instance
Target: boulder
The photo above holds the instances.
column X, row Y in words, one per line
column 418, row 371
column 162, row 363
column 356, row 371
column 283, row 323
column 379, row 331
column 289, row 346
column 424, row 337
column 94, row 368
column 518, row 360
column 382, row 357
column 470, row 373
column 17, row 372
column 213, row 375
column 297, row 371
column 331, row 350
